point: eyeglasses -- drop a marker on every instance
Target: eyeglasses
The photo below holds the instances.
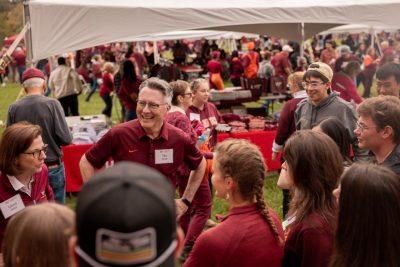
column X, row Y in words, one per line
column 151, row 105
column 189, row 94
column 37, row 152
column 312, row 85
column 364, row 127
column 380, row 84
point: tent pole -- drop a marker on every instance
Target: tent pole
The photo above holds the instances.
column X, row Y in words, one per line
column 372, row 33
column 28, row 35
column 302, row 40
column 155, row 52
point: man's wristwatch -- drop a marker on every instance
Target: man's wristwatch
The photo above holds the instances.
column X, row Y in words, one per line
column 186, row 201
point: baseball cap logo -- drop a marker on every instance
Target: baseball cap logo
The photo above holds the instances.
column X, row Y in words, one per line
column 126, row 248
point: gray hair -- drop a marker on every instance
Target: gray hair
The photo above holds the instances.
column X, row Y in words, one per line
column 159, row 85
column 33, row 82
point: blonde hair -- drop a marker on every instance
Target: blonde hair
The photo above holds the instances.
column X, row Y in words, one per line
column 296, row 78
column 38, row 236
column 231, row 154
column 195, row 84
column 108, row 67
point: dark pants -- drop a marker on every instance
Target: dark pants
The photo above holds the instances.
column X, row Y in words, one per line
column 108, row 101
column 70, row 105
column 130, row 114
column 194, row 220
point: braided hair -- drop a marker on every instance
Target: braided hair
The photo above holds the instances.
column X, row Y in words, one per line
column 231, row 155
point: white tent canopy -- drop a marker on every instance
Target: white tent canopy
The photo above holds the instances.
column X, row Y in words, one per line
column 65, row 25
column 358, row 28
column 190, row 35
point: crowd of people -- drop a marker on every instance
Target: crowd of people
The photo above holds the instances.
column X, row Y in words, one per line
column 340, row 156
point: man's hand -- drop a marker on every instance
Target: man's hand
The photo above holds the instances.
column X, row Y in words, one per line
column 181, row 208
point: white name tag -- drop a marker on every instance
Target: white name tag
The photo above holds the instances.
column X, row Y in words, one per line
column 164, row 156
column 12, row 206
column 194, row 116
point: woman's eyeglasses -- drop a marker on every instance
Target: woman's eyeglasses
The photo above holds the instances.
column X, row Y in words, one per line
column 37, row 152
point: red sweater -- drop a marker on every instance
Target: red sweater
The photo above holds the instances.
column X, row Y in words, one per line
column 108, row 84
column 346, row 87
column 286, row 124
column 309, row 244
column 242, row 239
column 41, row 192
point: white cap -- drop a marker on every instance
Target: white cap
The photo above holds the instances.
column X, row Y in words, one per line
column 287, row 48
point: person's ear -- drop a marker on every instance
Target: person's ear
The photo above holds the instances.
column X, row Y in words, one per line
column 44, row 88
column 180, row 238
column 180, row 98
column 72, row 243
column 229, row 183
column 387, row 132
column 328, row 85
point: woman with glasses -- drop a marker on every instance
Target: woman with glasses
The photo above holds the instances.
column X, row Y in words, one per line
column 311, row 172
column 193, row 221
column 24, row 176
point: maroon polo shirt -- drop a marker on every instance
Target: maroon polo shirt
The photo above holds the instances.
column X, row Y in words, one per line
column 129, row 142
column 209, row 117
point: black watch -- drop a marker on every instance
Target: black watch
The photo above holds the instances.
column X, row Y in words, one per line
column 186, row 201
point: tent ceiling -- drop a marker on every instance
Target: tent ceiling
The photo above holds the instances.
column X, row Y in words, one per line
column 65, row 25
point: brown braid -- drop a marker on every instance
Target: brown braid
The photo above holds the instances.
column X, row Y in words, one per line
column 263, row 209
column 231, row 155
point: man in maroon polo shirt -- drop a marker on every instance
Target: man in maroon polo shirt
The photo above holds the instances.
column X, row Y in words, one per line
column 151, row 141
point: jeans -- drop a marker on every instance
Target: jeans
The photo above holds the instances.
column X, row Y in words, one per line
column 130, row 114
column 57, row 183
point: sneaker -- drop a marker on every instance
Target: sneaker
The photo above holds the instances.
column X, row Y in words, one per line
column 3, row 84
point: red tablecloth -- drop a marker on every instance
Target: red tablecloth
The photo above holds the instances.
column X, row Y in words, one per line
column 71, row 158
column 73, row 154
column 263, row 139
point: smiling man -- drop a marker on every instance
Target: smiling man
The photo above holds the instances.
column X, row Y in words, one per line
column 388, row 79
column 151, row 141
column 378, row 129
column 323, row 103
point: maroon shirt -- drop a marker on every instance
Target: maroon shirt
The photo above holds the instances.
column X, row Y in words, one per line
column 346, row 87
column 280, row 63
column 286, row 125
column 309, row 244
column 179, row 120
column 242, row 239
column 209, row 117
column 41, row 192
column 108, row 84
column 126, row 90
column 128, row 141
